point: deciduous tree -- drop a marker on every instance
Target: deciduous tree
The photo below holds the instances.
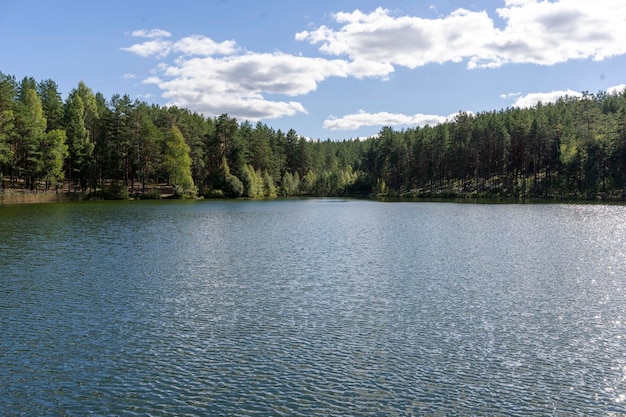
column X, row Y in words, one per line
column 178, row 164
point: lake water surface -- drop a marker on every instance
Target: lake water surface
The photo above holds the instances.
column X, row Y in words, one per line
column 312, row 307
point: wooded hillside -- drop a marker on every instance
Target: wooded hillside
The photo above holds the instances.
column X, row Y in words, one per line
column 573, row 148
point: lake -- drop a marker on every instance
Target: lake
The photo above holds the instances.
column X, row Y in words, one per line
column 312, row 307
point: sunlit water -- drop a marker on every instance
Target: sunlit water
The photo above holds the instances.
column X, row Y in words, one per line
column 312, row 307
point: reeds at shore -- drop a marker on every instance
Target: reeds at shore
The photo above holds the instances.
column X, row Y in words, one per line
column 13, row 196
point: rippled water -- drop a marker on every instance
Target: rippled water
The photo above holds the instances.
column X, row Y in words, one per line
column 312, row 307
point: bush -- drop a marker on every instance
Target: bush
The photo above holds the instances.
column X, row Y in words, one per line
column 152, row 194
column 213, row 194
column 115, row 192
column 185, row 192
column 233, row 187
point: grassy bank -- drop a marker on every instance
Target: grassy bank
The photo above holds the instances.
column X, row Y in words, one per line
column 12, row 196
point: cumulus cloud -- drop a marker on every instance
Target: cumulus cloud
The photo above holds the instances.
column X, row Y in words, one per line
column 152, row 33
column 217, row 77
column 202, row 45
column 190, row 45
column 536, row 32
column 407, row 41
column 616, row 89
column 156, row 47
column 214, row 77
column 532, row 99
column 362, row 119
column 236, row 84
column 547, row 33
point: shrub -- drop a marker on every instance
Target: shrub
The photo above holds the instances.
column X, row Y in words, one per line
column 115, row 192
column 233, row 187
column 152, row 194
column 185, row 192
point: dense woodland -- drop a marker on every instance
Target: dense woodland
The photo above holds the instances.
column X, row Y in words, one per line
column 92, row 147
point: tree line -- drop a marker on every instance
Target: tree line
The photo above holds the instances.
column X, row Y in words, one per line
column 112, row 148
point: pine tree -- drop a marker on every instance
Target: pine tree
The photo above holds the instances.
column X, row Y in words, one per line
column 79, row 146
column 31, row 130
column 51, row 103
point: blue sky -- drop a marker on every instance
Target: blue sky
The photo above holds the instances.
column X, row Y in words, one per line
column 328, row 69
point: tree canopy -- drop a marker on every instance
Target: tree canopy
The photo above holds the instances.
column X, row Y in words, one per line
column 572, row 148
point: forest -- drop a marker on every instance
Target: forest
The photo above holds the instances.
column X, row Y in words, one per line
column 88, row 146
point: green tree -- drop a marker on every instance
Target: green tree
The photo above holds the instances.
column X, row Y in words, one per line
column 31, row 131
column 178, row 164
column 230, row 184
column 51, row 103
column 90, row 107
column 8, row 88
column 259, row 147
column 27, row 83
column 279, row 156
column 150, row 139
column 8, row 91
column 305, row 158
column 123, row 138
column 290, row 184
column 269, row 187
column 252, row 182
column 80, row 148
column 7, row 124
column 54, row 151
column 291, row 151
column 222, row 142
column 309, row 183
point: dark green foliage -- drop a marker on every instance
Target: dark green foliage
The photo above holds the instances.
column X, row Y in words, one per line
column 79, row 145
column 573, row 148
column 30, row 125
column 232, row 187
column 150, row 195
column 229, row 184
column 51, row 103
column 114, row 192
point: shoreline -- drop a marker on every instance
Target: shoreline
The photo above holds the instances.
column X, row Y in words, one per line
column 20, row 196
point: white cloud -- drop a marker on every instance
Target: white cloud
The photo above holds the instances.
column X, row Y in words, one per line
column 407, row 41
column 362, row 118
column 152, row 33
column 547, row 33
column 236, row 84
column 536, row 32
column 128, row 76
column 532, row 99
column 201, row 45
column 216, row 77
column 190, row 45
column 509, row 95
column 152, row 80
column 616, row 89
column 156, row 47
